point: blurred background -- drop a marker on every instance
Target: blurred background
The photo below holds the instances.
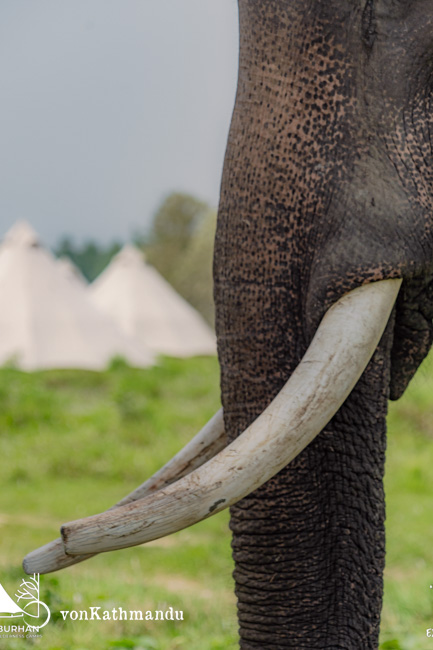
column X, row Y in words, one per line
column 108, row 107
column 113, row 124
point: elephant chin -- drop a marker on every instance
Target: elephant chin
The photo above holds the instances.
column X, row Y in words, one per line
column 336, row 358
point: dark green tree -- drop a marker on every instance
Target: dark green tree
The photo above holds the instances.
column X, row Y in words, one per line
column 194, row 279
column 180, row 246
column 90, row 257
column 175, row 223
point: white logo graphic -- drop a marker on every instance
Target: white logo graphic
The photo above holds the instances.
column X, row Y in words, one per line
column 34, row 613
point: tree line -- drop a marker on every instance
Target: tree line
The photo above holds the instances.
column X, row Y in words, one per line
column 179, row 244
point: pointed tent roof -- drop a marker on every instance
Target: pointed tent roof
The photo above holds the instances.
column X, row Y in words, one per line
column 21, row 234
column 7, row 605
column 48, row 322
column 146, row 306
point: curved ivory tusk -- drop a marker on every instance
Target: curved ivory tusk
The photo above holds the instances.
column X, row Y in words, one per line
column 208, row 442
column 204, row 446
column 340, row 351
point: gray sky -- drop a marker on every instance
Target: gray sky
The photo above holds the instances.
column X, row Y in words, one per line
column 108, row 105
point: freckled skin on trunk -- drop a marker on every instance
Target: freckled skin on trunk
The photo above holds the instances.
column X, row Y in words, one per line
column 326, row 186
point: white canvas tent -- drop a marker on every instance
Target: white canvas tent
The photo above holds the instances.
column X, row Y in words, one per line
column 46, row 321
column 146, row 306
column 70, row 271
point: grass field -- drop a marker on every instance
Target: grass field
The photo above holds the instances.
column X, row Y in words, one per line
column 74, row 442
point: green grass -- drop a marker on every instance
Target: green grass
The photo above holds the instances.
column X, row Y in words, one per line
column 73, row 442
column 408, row 602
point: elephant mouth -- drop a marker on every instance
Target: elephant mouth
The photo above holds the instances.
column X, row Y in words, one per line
column 208, row 476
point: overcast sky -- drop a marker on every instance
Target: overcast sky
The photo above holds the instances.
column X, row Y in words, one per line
column 108, row 105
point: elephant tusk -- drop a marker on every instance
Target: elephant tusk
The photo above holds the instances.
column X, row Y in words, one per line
column 336, row 358
column 208, row 442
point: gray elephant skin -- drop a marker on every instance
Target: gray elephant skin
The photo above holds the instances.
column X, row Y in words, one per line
column 327, row 185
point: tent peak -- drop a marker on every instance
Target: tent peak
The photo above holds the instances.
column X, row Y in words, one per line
column 22, row 234
column 144, row 304
column 47, row 320
column 130, row 255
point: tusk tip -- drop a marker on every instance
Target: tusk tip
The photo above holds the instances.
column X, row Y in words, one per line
column 28, row 566
column 50, row 557
column 46, row 559
column 65, row 532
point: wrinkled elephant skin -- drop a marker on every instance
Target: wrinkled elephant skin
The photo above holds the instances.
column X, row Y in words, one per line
column 327, row 185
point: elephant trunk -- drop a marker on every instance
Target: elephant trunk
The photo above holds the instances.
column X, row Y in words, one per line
column 309, row 545
column 302, row 220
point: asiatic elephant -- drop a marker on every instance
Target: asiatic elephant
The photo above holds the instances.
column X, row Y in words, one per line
column 325, row 211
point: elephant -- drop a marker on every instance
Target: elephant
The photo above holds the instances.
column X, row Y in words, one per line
column 323, row 276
